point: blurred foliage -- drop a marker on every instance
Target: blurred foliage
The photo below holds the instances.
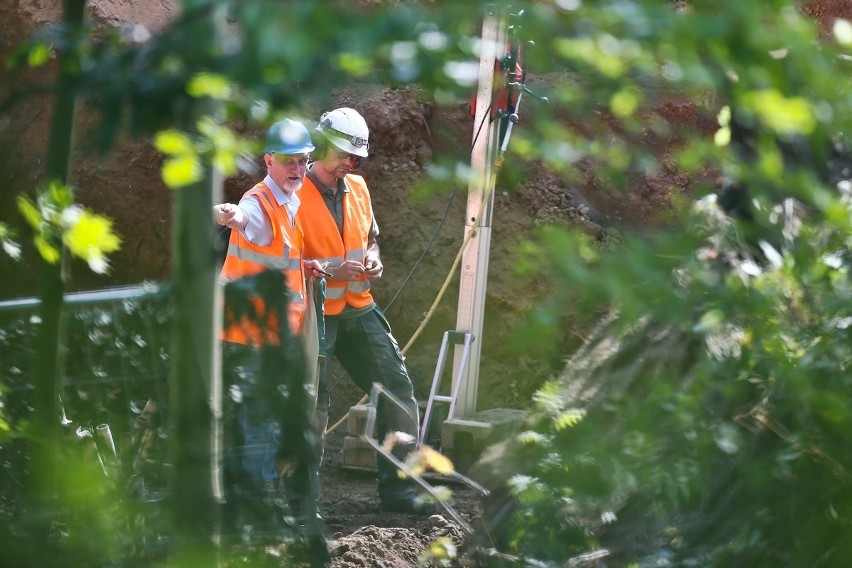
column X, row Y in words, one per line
column 705, row 423
column 55, row 218
column 112, row 457
column 8, row 242
column 713, row 403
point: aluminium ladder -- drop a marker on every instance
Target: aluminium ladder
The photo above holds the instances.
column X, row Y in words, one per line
column 456, row 338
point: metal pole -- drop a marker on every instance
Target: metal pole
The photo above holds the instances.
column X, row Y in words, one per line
column 480, row 204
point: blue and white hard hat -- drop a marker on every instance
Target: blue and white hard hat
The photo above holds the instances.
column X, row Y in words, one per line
column 288, row 136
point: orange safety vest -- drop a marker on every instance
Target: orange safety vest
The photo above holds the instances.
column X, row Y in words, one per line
column 324, row 243
column 246, row 259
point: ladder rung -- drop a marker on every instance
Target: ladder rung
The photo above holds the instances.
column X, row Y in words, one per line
column 457, row 338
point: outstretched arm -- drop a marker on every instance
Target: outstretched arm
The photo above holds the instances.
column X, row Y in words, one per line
column 230, row 215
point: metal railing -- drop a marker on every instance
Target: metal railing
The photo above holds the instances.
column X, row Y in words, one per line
column 114, row 354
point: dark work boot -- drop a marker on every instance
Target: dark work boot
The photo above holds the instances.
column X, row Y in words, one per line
column 302, row 496
column 408, row 501
column 399, row 495
column 415, row 505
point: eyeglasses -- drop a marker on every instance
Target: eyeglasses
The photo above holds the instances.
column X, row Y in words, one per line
column 291, row 161
column 357, row 161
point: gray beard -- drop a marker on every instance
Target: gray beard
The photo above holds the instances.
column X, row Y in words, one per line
column 292, row 186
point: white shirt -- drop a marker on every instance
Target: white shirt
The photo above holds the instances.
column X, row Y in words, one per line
column 258, row 229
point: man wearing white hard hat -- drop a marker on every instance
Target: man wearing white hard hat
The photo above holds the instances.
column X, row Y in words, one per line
column 340, row 233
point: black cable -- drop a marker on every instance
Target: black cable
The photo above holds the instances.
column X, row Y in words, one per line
column 511, row 57
column 423, row 254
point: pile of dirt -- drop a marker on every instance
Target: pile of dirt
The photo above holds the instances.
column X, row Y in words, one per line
column 391, row 547
column 364, row 535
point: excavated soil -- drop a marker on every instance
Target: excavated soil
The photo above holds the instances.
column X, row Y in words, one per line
column 362, row 535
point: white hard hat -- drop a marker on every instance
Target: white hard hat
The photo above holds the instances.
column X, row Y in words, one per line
column 346, row 129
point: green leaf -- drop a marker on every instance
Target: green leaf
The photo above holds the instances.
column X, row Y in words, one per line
column 784, row 115
column 225, row 162
column 91, row 236
column 724, row 116
column 30, row 212
column 709, row 321
column 531, row 437
column 354, row 65
column 588, row 51
column 181, row 171
column 38, row 55
column 568, row 418
column 173, row 142
column 59, row 195
column 624, row 102
column 209, row 85
column 439, row 553
column 722, row 136
column 48, row 252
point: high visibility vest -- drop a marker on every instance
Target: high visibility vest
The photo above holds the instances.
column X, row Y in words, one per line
column 246, row 259
column 324, row 243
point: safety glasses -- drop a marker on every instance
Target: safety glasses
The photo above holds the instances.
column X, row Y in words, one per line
column 356, row 161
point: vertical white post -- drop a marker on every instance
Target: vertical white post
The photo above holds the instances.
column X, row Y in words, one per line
column 480, row 201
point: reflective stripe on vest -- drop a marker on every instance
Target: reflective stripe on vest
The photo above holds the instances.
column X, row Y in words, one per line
column 283, row 253
column 323, row 241
column 270, row 261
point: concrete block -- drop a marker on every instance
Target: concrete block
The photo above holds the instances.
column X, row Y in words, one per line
column 357, row 421
column 358, row 454
column 463, row 439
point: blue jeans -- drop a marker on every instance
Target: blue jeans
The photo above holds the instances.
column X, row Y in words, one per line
column 262, row 424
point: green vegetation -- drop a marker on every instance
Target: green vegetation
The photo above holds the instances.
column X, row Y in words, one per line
column 715, row 398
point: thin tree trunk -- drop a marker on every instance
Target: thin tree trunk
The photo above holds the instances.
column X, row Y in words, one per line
column 194, row 381
column 52, row 287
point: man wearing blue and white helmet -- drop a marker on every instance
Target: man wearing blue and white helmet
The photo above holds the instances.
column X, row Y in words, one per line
column 266, row 236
